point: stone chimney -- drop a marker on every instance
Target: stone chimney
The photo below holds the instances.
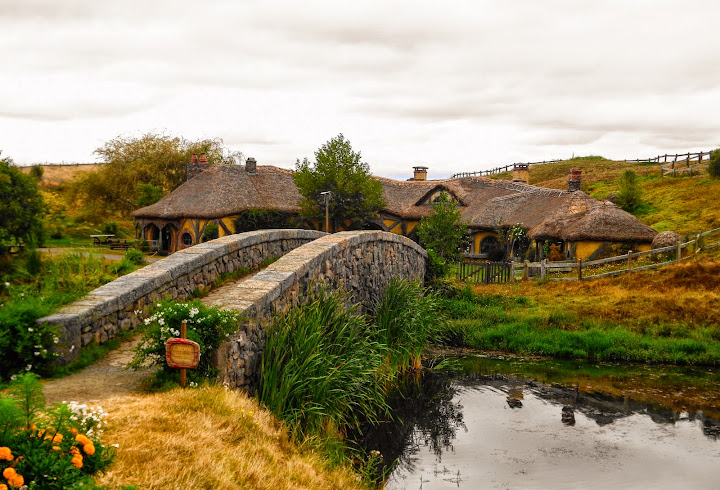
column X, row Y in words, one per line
column 574, row 179
column 521, row 173
column 203, row 159
column 420, row 173
column 251, row 166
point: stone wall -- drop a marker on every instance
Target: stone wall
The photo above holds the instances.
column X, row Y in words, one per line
column 120, row 305
column 361, row 262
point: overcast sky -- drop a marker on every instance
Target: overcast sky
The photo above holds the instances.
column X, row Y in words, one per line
column 453, row 85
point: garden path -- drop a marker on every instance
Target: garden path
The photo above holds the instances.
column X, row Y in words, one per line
column 103, row 383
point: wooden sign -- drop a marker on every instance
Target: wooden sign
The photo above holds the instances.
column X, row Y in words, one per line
column 182, row 353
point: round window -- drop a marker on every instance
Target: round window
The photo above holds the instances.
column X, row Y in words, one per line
column 187, row 239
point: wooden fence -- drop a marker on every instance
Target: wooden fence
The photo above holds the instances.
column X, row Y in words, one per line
column 618, row 265
column 485, row 272
column 676, row 164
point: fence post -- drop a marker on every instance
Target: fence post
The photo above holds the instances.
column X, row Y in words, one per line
column 678, row 255
column 665, row 157
column 580, row 270
column 526, row 271
column 629, row 268
column 542, row 268
column 699, row 243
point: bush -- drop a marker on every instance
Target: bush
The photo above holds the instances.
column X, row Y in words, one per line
column 629, row 196
column 208, row 326
column 111, row 228
column 714, row 165
column 49, row 449
column 437, row 267
column 135, row 257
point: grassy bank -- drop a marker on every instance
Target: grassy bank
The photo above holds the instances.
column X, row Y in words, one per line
column 667, row 316
column 210, row 437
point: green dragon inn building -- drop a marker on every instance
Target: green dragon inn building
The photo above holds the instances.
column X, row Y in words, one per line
column 219, row 200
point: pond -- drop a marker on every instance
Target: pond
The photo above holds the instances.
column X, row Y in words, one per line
column 515, row 423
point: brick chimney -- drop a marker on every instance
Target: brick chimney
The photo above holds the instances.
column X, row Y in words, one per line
column 574, row 179
column 194, row 168
column 420, row 173
column 521, row 173
column 203, row 159
column 194, row 159
column 251, row 166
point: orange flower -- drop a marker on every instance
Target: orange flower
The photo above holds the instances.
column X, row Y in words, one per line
column 56, row 448
column 3, row 486
column 77, row 461
column 89, row 449
column 16, row 481
column 82, row 439
column 9, row 472
column 74, row 450
column 74, row 431
column 6, row 454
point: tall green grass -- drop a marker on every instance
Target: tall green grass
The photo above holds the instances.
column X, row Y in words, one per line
column 407, row 320
column 321, row 367
column 505, row 324
column 327, row 369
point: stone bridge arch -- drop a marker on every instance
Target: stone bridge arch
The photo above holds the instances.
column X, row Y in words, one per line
column 360, row 262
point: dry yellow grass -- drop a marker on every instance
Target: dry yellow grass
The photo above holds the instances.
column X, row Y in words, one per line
column 687, row 293
column 210, row 437
column 56, row 175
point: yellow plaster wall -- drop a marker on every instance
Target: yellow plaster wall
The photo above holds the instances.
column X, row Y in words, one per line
column 644, row 247
column 229, row 222
column 397, row 229
column 583, row 250
column 478, row 237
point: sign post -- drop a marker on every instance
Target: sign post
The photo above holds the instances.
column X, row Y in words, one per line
column 182, row 353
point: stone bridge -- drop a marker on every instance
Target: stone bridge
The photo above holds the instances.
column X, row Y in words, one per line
column 361, row 262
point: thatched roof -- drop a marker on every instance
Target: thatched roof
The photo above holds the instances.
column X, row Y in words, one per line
column 602, row 221
column 225, row 190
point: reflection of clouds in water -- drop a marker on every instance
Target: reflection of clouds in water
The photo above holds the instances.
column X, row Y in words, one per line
column 586, row 437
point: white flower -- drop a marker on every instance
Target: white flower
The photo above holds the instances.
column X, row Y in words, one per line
column 147, row 321
column 194, row 312
column 30, row 330
column 56, row 340
column 161, row 321
column 28, row 367
column 7, row 284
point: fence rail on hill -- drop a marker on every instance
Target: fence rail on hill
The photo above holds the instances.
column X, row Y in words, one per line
column 493, row 272
column 621, row 264
column 676, row 164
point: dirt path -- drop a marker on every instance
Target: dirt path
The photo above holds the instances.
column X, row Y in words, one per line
column 104, row 383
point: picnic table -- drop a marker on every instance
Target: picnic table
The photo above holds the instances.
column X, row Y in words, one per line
column 101, row 239
column 115, row 243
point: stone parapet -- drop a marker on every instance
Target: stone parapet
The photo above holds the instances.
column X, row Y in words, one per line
column 120, row 304
column 361, row 263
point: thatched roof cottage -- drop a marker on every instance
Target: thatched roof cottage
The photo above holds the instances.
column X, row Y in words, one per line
column 216, row 199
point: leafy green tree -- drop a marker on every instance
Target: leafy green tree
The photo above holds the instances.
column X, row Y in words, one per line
column 629, row 195
column 21, row 208
column 356, row 196
column 136, row 167
column 443, row 231
column 714, row 165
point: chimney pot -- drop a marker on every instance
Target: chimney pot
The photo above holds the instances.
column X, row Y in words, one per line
column 521, row 173
column 574, row 180
column 194, row 158
column 251, row 166
column 420, row 173
column 203, row 159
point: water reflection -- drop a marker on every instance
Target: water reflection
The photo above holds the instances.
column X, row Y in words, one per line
column 552, row 425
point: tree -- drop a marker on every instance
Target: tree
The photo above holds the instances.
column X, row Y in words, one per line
column 21, row 208
column 356, row 196
column 136, row 167
column 629, row 195
column 443, row 231
column 714, row 165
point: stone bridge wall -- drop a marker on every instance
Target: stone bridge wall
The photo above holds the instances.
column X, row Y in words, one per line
column 120, row 305
column 361, row 262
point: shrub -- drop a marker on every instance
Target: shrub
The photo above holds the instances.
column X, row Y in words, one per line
column 629, row 196
column 135, row 256
column 714, row 164
column 111, row 228
column 208, row 326
column 437, row 267
column 49, row 449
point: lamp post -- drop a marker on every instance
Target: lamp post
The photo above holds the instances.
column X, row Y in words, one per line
column 327, row 195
